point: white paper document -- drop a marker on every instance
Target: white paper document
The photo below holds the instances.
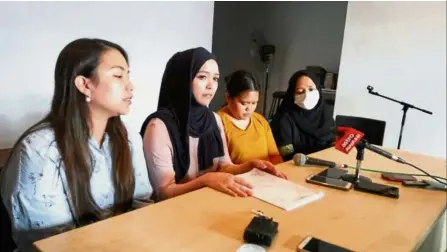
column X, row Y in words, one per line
column 279, row 192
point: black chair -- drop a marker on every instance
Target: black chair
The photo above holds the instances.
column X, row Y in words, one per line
column 278, row 96
column 7, row 243
column 374, row 129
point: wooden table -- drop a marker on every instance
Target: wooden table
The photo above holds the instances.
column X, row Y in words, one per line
column 206, row 220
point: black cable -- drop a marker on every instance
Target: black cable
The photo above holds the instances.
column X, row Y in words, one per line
column 422, row 175
column 397, row 173
column 433, row 177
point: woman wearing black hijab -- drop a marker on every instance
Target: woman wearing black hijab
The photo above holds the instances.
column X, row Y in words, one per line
column 184, row 141
column 302, row 124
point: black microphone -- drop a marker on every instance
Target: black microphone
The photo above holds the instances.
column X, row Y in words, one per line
column 384, row 153
column 300, row 160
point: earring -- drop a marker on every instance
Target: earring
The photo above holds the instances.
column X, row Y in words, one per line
column 87, row 99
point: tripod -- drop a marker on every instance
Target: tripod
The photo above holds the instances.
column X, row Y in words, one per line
column 404, row 109
column 266, row 52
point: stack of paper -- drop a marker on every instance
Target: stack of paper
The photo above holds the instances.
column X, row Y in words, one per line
column 279, row 192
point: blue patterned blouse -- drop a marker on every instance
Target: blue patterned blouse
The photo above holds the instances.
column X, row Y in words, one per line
column 33, row 185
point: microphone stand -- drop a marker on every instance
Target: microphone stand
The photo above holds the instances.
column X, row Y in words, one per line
column 405, row 109
column 357, row 178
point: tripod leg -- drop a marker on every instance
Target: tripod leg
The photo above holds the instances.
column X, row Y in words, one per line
column 266, row 86
column 404, row 117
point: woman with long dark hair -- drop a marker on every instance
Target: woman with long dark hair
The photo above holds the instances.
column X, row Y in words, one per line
column 184, row 141
column 302, row 123
column 79, row 164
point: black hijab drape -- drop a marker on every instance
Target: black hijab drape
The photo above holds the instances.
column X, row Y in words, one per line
column 183, row 115
column 317, row 122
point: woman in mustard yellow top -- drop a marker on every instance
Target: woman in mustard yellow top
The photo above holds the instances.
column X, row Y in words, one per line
column 248, row 133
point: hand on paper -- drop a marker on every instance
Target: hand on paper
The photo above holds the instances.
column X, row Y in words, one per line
column 227, row 183
column 267, row 167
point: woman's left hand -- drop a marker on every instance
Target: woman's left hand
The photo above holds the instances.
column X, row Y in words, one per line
column 267, row 167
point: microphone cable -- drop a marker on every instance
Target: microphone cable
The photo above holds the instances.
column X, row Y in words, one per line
column 437, row 178
column 431, row 176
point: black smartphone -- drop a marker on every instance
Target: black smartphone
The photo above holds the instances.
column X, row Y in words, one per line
column 398, row 177
column 379, row 189
column 329, row 182
column 312, row 244
column 415, row 183
column 334, row 173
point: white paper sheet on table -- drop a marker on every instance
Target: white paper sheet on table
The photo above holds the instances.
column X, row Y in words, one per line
column 279, row 192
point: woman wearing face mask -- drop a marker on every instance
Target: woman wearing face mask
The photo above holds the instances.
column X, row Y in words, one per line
column 302, row 124
column 248, row 134
column 184, row 142
column 79, row 164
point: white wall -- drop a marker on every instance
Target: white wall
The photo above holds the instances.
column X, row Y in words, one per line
column 304, row 33
column 399, row 48
column 33, row 33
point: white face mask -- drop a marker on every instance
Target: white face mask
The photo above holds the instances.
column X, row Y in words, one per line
column 307, row 100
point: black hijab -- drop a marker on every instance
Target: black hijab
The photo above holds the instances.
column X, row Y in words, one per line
column 183, row 115
column 317, row 122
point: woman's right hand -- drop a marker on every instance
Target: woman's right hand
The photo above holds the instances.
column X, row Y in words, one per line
column 227, row 183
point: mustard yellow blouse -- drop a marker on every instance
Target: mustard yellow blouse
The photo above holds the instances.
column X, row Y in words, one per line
column 255, row 142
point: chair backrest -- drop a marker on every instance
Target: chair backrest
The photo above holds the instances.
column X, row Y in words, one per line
column 278, row 96
column 4, row 154
column 7, row 244
column 374, row 129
